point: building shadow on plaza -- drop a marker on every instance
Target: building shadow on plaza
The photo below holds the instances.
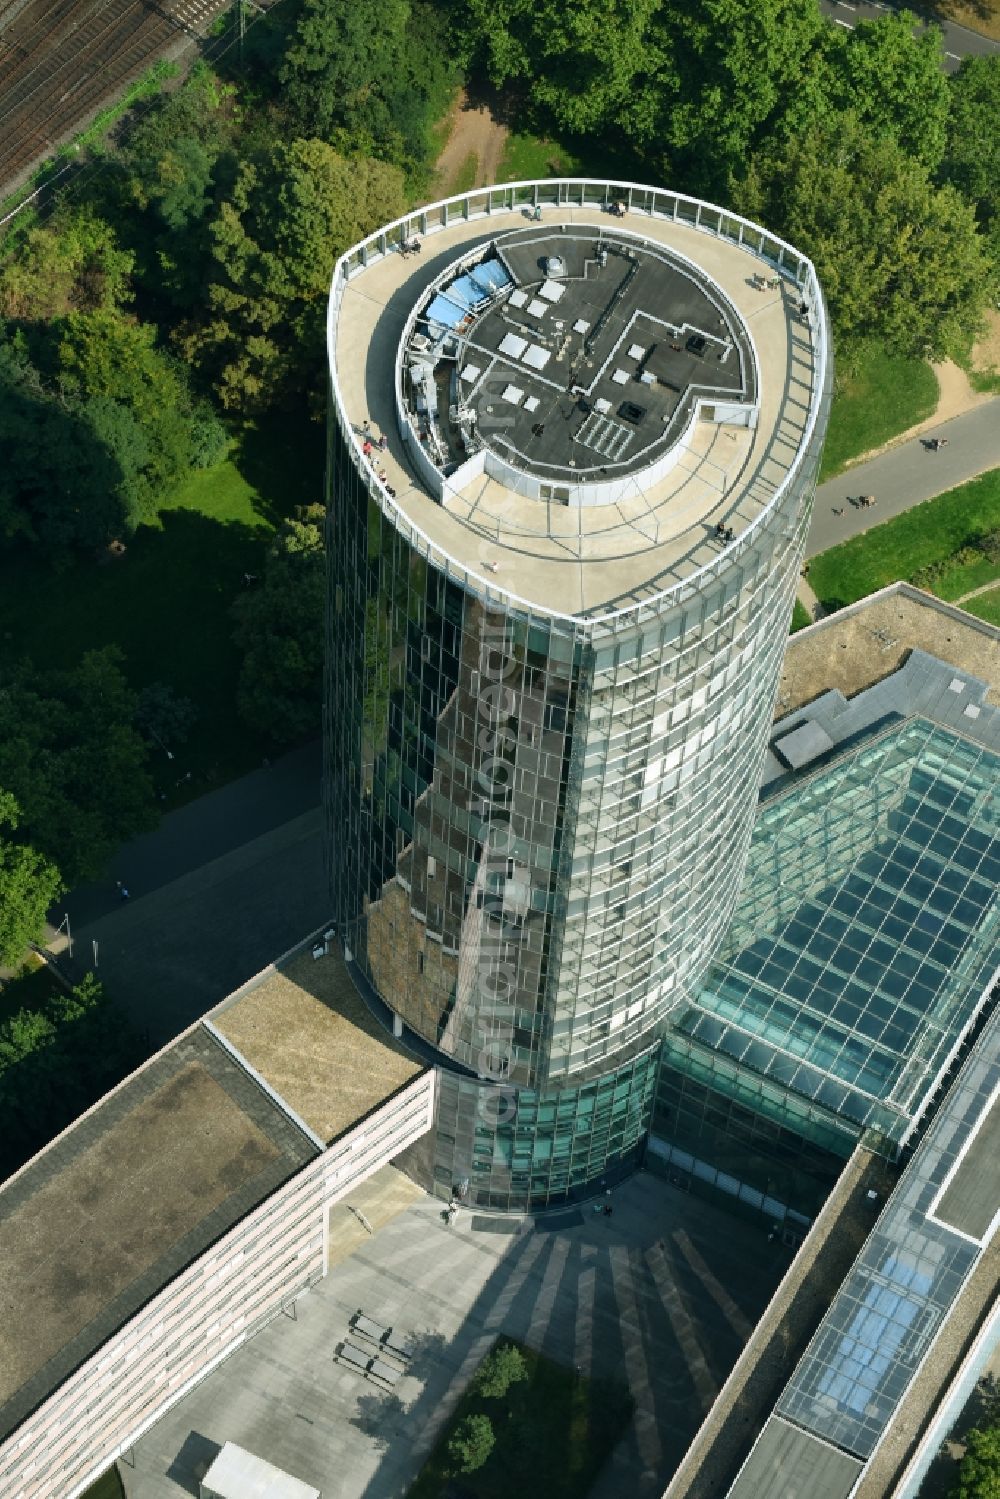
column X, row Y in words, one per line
column 662, row 1297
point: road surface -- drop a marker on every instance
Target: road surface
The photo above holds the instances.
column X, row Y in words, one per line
column 906, row 475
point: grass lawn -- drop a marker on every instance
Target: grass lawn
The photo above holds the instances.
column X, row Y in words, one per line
column 166, row 602
column 986, row 606
column 882, row 398
column 800, row 617
column 895, row 550
column 526, row 157
column 554, row 1432
column 963, row 578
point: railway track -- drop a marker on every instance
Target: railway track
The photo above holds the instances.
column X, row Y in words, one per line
column 62, row 60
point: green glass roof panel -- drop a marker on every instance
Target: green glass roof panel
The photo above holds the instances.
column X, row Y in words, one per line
column 867, row 927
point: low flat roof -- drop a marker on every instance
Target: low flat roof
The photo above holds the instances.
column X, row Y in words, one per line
column 238, row 1474
column 585, row 561
column 97, row 1224
column 787, row 1463
column 869, row 641
column 309, row 1034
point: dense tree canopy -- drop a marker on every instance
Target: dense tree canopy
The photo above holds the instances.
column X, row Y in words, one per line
column 96, row 426
column 979, row 1471
column 972, row 150
column 29, row 884
column 888, row 74
column 71, row 264
column 274, row 241
column 279, row 628
column 74, row 761
column 588, row 64
column 898, row 258
column 368, row 83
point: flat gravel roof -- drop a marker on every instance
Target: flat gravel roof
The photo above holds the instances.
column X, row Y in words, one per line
column 96, row 1225
column 311, row 1036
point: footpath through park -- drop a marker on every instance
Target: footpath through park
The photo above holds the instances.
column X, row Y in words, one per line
column 905, row 475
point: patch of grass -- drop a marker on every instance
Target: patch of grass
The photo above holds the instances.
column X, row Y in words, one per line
column 465, row 178
column 874, row 402
column 982, row 380
column 952, row 582
column 166, row 603
column 554, row 1432
column 800, row 617
column 929, row 533
column 985, row 606
column 527, row 157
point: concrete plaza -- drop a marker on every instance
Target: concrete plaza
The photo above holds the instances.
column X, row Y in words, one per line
column 663, row 1295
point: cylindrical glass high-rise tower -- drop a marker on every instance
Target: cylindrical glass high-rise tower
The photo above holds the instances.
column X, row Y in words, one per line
column 558, row 608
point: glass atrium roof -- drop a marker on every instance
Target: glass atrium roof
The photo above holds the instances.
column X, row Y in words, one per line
column 911, row 1270
column 867, row 928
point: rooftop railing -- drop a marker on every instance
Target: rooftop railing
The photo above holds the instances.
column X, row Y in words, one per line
column 599, row 194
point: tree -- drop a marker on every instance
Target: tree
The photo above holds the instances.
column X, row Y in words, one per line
column 471, row 1443
column 28, row 886
column 979, row 1471
column 367, row 89
column 96, row 425
column 739, row 67
column 279, row 628
column 74, row 761
column 59, row 1052
column 589, row 65
column 888, row 74
column 972, row 151
column 61, row 485
column 73, row 263
column 274, row 242
column 135, row 398
column 503, row 1366
column 168, row 170
column 899, row 259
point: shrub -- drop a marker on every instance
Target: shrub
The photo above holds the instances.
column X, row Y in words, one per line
column 501, row 1368
column 471, row 1444
column 928, row 577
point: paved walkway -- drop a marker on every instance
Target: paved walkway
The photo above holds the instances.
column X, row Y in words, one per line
column 905, row 476
column 218, row 891
column 662, row 1296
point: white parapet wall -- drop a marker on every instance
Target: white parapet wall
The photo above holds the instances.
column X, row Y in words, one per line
column 213, row 1306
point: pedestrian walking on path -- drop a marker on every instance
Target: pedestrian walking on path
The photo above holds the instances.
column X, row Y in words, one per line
column 123, row 894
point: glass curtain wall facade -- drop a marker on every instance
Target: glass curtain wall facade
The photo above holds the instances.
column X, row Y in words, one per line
column 537, row 823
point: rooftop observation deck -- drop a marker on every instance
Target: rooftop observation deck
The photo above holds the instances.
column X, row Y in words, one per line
column 588, row 560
